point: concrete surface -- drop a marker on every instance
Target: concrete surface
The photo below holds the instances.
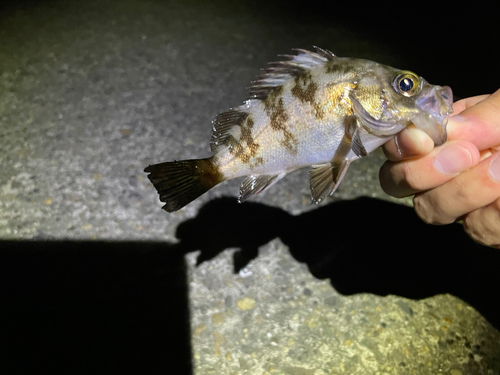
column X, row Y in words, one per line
column 96, row 278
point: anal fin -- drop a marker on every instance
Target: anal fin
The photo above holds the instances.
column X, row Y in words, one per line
column 252, row 185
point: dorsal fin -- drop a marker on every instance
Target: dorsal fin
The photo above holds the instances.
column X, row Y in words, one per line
column 274, row 76
column 280, row 72
column 325, row 53
column 222, row 125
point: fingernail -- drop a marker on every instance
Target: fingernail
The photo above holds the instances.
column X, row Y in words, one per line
column 407, row 143
column 495, row 167
column 453, row 159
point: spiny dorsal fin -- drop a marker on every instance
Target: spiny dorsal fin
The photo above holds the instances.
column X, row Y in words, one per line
column 280, row 72
column 325, row 53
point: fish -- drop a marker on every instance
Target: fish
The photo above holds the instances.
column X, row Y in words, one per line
column 311, row 109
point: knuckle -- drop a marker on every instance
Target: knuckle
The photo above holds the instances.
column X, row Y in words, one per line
column 481, row 230
column 428, row 210
column 422, row 209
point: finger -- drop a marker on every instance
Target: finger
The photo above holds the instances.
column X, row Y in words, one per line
column 463, row 104
column 409, row 143
column 483, row 224
column 465, row 193
column 479, row 123
column 434, row 169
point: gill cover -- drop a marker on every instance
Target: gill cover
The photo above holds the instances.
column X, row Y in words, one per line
column 370, row 102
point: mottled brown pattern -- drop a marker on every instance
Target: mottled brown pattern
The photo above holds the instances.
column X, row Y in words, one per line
column 275, row 109
column 346, row 70
column 256, row 162
column 305, row 88
column 334, row 67
column 222, row 126
column 245, row 148
column 259, row 161
column 234, row 145
column 272, row 98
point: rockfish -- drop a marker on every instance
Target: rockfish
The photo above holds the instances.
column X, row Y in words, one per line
column 313, row 109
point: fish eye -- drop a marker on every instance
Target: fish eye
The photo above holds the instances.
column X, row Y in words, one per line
column 406, row 83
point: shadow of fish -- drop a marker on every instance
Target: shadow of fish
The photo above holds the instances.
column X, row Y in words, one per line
column 313, row 109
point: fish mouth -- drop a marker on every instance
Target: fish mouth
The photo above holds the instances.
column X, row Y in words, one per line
column 435, row 103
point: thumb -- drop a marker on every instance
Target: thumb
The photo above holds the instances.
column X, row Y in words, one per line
column 408, row 144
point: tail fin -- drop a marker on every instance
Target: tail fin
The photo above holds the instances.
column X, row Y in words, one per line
column 181, row 182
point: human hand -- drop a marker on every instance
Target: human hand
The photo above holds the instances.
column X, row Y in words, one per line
column 459, row 180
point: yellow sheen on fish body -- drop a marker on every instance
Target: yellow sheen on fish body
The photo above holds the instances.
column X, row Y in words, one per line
column 371, row 97
column 336, row 101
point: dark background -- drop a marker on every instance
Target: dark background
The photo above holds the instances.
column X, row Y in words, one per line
column 453, row 43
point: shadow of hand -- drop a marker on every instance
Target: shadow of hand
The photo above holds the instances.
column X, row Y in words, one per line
column 223, row 224
column 363, row 246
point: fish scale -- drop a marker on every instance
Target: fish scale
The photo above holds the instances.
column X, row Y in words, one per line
column 313, row 109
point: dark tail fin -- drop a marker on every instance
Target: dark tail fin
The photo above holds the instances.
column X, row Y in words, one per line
column 181, row 182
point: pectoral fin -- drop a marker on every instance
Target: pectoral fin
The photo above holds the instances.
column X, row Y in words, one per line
column 252, row 185
column 325, row 178
column 357, row 145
